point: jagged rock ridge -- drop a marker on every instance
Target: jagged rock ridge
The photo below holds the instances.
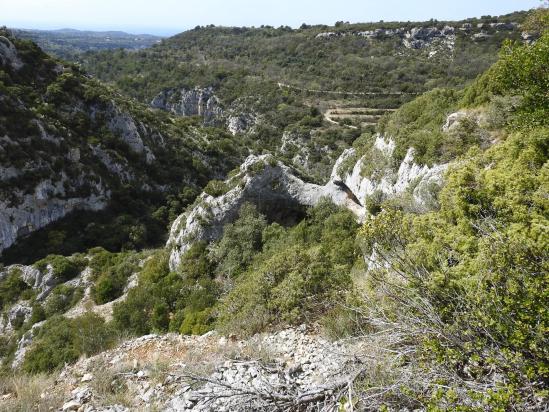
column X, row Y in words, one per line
column 273, row 187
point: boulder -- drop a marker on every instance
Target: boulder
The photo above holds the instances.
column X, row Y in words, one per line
column 15, row 317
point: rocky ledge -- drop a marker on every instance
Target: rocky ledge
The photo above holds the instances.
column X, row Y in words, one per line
column 204, row 103
column 211, row 373
column 420, row 37
column 274, row 188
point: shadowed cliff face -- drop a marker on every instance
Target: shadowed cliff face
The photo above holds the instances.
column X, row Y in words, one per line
column 68, row 144
column 276, row 191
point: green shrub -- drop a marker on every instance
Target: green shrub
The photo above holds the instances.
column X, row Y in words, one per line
column 111, row 272
column 477, row 266
column 61, row 340
column 111, row 283
column 12, row 288
column 240, row 242
column 64, row 269
column 62, row 299
column 299, row 274
column 195, row 263
column 196, row 323
column 374, row 202
column 418, row 124
column 216, row 188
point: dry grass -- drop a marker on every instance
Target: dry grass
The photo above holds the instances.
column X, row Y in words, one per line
column 108, row 385
column 29, row 393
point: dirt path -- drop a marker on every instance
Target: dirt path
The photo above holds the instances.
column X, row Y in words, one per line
column 288, row 86
column 365, row 115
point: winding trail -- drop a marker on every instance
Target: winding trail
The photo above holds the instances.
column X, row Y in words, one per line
column 288, row 86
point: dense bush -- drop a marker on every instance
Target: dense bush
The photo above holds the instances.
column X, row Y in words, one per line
column 241, row 241
column 111, row 272
column 298, row 275
column 61, row 299
column 216, row 188
column 61, row 340
column 63, row 268
column 475, row 271
column 418, row 124
column 12, row 288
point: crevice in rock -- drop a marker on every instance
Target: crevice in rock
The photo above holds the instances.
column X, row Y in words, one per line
column 348, row 191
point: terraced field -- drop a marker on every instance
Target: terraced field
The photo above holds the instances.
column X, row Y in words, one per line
column 355, row 116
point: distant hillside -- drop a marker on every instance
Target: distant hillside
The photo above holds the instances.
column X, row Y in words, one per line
column 67, row 43
column 370, row 57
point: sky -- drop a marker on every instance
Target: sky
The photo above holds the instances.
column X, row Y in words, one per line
column 167, row 17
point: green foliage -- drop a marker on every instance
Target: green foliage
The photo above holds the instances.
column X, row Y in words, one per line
column 82, row 117
column 195, row 263
column 249, row 61
column 418, row 124
column 522, row 70
column 61, row 299
column 164, row 300
column 12, row 288
column 111, row 272
column 480, row 261
column 240, row 242
column 216, row 188
column 196, row 323
column 299, row 273
column 62, row 340
column 373, row 203
column 63, row 268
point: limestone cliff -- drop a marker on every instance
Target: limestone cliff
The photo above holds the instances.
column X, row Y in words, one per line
column 204, row 103
column 274, row 187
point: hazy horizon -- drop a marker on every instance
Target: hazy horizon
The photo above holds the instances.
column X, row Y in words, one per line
column 168, row 17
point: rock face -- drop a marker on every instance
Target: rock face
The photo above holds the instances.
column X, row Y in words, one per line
column 422, row 36
column 195, row 102
column 273, row 187
column 8, row 54
column 91, row 144
column 408, row 177
column 15, row 317
column 204, row 103
column 49, row 202
column 263, row 181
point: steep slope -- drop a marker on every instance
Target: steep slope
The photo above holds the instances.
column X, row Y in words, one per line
column 70, row 144
column 439, row 295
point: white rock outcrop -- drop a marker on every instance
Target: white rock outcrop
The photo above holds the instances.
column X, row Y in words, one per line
column 204, row 103
column 15, row 317
column 48, row 203
column 194, row 102
column 392, row 183
column 273, row 187
column 262, row 181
